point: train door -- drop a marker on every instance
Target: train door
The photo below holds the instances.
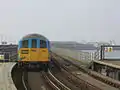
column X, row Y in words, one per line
column 34, row 52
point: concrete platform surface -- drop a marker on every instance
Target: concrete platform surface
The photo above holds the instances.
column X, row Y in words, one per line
column 114, row 64
column 112, row 61
column 6, row 82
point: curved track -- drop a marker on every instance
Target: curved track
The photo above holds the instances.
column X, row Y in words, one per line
column 29, row 80
column 20, row 78
column 81, row 79
column 44, row 81
column 36, row 81
column 54, row 82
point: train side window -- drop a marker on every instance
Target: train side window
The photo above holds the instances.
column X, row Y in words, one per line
column 25, row 44
column 43, row 44
column 34, row 43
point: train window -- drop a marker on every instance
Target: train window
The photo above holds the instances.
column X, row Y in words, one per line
column 34, row 43
column 43, row 44
column 25, row 44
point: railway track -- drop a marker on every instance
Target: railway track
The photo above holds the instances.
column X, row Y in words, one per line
column 25, row 80
column 20, row 78
column 80, row 84
column 29, row 80
column 54, row 82
column 98, row 76
column 37, row 82
column 45, row 81
column 69, row 68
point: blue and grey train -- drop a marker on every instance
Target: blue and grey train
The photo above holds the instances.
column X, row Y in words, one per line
column 34, row 51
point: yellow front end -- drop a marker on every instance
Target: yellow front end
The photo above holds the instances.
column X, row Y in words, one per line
column 34, row 54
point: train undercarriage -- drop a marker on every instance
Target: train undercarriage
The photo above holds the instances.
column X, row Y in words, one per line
column 34, row 66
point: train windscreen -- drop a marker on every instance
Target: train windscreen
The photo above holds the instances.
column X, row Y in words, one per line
column 34, row 43
column 43, row 44
column 25, row 44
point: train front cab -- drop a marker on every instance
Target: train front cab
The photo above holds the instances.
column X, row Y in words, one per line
column 34, row 53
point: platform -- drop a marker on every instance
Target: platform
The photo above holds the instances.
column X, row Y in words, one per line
column 6, row 82
column 113, row 64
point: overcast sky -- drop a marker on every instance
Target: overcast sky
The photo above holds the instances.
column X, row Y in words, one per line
column 73, row 20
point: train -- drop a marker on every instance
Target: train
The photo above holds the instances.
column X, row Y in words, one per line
column 34, row 52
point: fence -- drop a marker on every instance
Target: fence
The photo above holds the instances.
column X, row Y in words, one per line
column 97, row 55
column 75, row 54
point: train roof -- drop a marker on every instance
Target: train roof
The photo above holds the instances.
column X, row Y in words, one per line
column 35, row 36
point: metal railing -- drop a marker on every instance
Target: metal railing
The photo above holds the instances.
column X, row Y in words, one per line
column 80, row 55
column 97, row 55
